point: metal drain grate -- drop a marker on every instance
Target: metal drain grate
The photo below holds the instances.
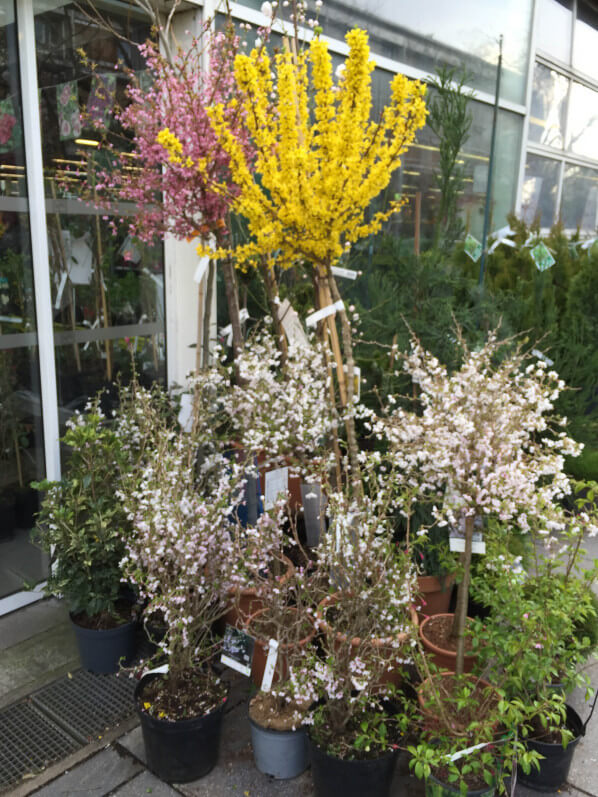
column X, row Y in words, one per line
column 85, row 704
column 29, row 741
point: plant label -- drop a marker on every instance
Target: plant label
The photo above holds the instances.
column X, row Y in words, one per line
column 237, row 650
column 347, row 273
column 270, row 665
column 457, row 542
column 356, row 383
column 331, row 309
column 201, row 269
column 291, row 323
column 277, row 482
column 542, row 257
column 185, row 416
column 473, row 248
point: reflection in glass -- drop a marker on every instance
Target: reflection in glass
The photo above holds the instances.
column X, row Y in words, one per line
column 21, row 440
column 105, row 286
column 583, row 121
column 585, row 44
column 549, row 103
column 429, row 34
column 540, row 189
column 579, row 204
column 553, row 28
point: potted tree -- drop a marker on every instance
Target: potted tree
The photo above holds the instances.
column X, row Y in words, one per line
column 83, row 528
column 368, row 628
column 486, row 444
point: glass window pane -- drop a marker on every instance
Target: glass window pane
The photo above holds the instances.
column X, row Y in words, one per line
column 549, row 102
column 540, row 188
column 585, row 44
column 583, row 121
column 21, row 438
column 105, row 286
column 553, row 28
column 579, row 205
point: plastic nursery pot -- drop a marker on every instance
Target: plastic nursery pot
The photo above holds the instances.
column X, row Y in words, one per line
column 436, row 788
column 182, row 750
column 435, row 595
column 351, row 778
column 444, row 659
column 554, row 767
column 103, row 651
column 393, row 674
column 260, row 655
column 281, row 754
column 246, row 602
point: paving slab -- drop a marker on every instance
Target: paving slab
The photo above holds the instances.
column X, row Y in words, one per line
column 31, row 620
column 98, row 776
column 36, row 661
column 145, row 784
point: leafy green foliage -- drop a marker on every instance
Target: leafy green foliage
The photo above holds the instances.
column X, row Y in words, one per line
column 82, row 522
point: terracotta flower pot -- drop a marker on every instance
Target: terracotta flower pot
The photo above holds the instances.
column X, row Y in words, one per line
column 431, row 720
column 260, row 654
column 247, row 601
column 444, row 659
column 435, row 595
column 392, row 674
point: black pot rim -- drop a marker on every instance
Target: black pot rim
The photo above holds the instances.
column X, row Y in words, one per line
column 166, row 722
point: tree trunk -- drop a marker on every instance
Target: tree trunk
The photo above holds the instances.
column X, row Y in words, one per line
column 347, row 339
column 232, row 300
column 274, row 303
column 460, row 622
column 207, row 316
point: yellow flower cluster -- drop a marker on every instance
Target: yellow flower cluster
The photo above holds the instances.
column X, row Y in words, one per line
column 320, row 158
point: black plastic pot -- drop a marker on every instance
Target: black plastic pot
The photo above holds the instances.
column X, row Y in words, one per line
column 180, row 751
column 436, row 788
column 103, row 651
column 333, row 775
column 554, row 767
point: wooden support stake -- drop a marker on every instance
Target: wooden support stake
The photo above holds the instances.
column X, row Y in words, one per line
column 418, row 219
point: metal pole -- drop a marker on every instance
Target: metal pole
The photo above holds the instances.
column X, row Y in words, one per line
column 490, row 166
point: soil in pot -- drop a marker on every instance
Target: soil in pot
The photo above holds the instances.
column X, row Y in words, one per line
column 279, row 741
column 351, row 778
column 435, row 633
column 182, row 725
column 554, row 767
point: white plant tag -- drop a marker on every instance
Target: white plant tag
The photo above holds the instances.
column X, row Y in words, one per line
column 270, row 665
column 356, row 383
column 457, row 542
column 331, row 309
column 163, row 668
column 347, row 273
column 237, row 650
column 291, row 323
column 277, row 482
column 201, row 269
column 185, row 417
column 461, row 753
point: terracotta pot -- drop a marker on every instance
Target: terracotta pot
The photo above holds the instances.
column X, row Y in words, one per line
column 442, row 658
column 434, row 599
column 260, row 654
column 247, row 602
column 393, row 674
column 431, row 721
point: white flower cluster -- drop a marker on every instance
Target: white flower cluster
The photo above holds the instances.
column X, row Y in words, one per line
column 486, row 441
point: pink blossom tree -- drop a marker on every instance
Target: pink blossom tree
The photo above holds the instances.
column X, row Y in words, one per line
column 170, row 197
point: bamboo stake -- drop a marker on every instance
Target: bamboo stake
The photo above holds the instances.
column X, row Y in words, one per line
column 418, row 219
column 200, row 308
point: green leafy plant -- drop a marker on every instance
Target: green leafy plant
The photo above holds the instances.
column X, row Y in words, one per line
column 82, row 524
